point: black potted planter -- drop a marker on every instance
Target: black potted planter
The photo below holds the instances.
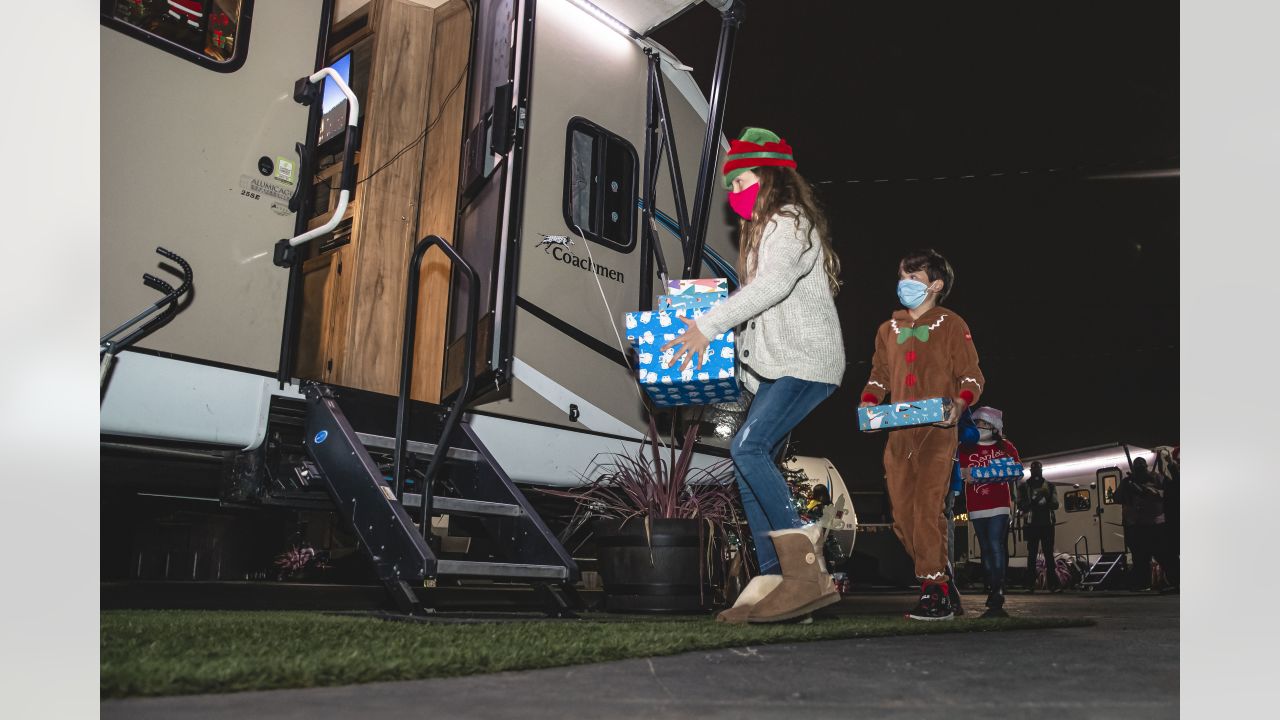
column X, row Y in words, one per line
column 663, row 572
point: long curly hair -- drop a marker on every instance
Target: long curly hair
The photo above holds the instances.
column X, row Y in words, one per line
column 781, row 187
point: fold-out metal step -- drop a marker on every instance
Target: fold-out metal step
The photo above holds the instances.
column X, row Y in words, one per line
column 506, row 571
column 1101, row 570
column 415, row 447
column 462, row 506
column 525, row 549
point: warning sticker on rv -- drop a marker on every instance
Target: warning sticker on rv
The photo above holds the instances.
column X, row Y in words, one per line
column 258, row 188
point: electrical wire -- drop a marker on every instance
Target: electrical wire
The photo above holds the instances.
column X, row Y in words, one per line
column 421, row 136
column 439, row 114
column 618, row 336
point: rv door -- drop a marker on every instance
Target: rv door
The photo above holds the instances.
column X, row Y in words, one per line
column 198, row 128
column 492, row 189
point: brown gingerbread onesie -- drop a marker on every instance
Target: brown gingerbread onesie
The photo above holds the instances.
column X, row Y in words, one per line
column 932, row 356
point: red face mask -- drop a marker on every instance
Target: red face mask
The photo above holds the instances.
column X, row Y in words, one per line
column 744, row 202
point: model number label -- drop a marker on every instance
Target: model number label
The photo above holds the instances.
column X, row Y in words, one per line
column 259, row 188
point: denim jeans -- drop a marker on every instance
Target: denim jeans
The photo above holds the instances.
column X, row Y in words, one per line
column 992, row 532
column 778, row 407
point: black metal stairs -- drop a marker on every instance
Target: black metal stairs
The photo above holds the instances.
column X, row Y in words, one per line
column 394, row 539
column 1103, row 571
column 521, row 548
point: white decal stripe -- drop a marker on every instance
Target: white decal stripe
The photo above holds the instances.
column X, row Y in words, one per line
column 591, row 417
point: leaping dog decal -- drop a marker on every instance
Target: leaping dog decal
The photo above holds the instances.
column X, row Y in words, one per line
column 550, row 241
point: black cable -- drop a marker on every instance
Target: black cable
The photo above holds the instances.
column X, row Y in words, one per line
column 430, row 126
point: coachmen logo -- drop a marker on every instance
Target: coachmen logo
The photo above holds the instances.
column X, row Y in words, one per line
column 557, row 246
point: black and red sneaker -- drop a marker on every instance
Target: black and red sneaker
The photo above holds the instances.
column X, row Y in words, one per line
column 935, row 603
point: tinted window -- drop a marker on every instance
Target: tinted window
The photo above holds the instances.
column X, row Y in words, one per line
column 212, row 33
column 599, row 185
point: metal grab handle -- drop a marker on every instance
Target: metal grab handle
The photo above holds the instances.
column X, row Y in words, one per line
column 347, row 185
column 406, row 370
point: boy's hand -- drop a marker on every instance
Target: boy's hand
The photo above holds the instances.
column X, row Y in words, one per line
column 866, row 404
column 691, row 343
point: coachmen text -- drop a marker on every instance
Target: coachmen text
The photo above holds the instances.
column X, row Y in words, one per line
column 582, row 263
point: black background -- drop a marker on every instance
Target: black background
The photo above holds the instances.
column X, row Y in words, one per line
column 1068, row 281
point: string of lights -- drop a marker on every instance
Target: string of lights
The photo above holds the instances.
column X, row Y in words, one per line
column 1158, row 167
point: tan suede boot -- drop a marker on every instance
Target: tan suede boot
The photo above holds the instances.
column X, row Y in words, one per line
column 804, row 587
column 755, row 591
column 762, row 585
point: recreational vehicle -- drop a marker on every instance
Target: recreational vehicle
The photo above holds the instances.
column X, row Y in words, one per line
column 407, row 232
column 1088, row 520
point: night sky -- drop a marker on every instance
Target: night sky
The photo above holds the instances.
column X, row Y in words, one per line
column 1070, row 284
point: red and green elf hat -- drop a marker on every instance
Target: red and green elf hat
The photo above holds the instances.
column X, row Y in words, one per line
column 754, row 148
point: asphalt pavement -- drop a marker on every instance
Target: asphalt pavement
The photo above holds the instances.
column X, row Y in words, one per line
column 1124, row 667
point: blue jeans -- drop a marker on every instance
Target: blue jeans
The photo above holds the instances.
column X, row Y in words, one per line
column 778, row 407
column 991, row 532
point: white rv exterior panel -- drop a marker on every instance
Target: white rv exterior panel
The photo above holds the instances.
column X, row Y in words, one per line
column 541, row 455
column 180, row 168
column 166, row 399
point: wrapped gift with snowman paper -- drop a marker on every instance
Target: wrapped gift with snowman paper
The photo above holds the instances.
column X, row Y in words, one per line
column 659, row 371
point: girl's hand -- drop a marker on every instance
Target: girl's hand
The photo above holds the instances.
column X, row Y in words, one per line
column 691, row 343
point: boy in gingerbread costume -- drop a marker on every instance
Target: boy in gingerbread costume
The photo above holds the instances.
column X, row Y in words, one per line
column 924, row 351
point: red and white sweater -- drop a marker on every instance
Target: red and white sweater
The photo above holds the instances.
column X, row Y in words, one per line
column 989, row 498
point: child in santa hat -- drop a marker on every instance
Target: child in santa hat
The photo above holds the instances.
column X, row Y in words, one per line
column 988, row 502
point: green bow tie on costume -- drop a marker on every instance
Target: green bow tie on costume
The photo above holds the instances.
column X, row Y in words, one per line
column 921, row 333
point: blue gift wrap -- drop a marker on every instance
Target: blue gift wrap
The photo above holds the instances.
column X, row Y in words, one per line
column 659, row 372
column 903, row 414
column 999, row 469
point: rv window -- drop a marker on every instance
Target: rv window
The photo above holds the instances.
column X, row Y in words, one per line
column 1076, row 501
column 206, row 32
column 599, row 185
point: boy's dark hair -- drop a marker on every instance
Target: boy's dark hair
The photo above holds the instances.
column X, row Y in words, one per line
column 935, row 267
column 821, row 494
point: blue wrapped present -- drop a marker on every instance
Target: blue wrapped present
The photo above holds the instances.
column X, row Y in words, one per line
column 903, row 414
column 997, row 470
column 659, row 372
column 695, row 294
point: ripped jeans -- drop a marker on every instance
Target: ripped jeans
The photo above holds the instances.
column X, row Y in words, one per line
column 778, row 407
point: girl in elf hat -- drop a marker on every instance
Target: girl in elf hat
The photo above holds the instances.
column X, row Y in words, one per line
column 792, row 358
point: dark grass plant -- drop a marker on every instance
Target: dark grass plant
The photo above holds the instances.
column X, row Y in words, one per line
column 650, row 485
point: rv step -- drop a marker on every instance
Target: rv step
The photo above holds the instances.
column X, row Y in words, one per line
column 467, row 568
column 462, row 506
column 414, row 447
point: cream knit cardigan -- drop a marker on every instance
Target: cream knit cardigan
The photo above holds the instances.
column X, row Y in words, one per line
column 791, row 326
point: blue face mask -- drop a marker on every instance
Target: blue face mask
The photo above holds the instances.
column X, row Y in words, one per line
column 911, row 293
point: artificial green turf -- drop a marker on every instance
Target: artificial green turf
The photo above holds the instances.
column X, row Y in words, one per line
column 177, row 652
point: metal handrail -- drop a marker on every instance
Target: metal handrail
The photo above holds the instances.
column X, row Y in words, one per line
column 406, row 371
column 1075, row 549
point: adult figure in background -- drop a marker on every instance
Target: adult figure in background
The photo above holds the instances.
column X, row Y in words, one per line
column 1037, row 501
column 1166, row 468
column 1141, row 495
